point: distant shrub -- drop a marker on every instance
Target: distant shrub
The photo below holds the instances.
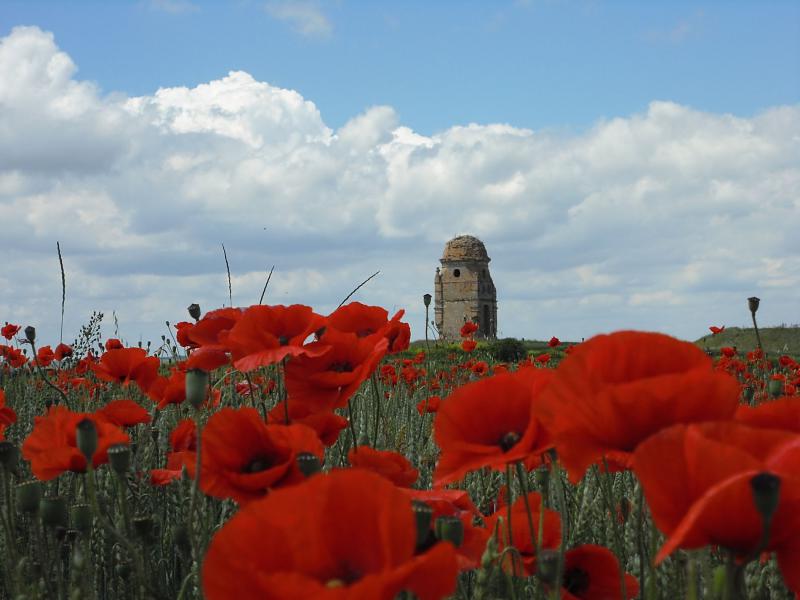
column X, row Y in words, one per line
column 508, row 350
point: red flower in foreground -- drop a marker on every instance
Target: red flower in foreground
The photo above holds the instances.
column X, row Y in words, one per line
column 521, row 531
column 489, row 423
column 265, row 335
column 52, row 449
column 614, row 391
column 8, row 331
column 697, row 482
column 348, row 535
column 592, row 573
column 391, row 465
column 243, row 457
column 783, row 413
column 326, row 423
column 63, row 351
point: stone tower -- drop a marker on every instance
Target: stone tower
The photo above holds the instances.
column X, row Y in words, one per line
column 464, row 289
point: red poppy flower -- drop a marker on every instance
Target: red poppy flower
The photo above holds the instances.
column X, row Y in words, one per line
column 211, row 329
column 592, row 573
column 243, row 457
column 543, row 359
column 429, row 405
column 728, row 351
column 183, row 442
column 124, row 365
column 468, row 328
column 616, row 390
column 391, row 465
column 7, row 414
column 521, row 530
column 52, row 449
column 123, row 413
column 113, row 344
column 480, row 368
column 489, row 423
column 206, row 359
column 554, row 342
column 327, row 381
column 783, row 413
column 715, row 330
column 329, row 540
column 168, row 390
column 8, row 331
column 265, row 335
column 325, row 423
column 45, row 356
column 697, row 481
column 63, row 351
column 469, row 345
column 371, row 321
column 14, row 356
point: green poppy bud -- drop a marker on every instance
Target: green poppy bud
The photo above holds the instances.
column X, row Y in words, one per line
column 54, row 512
column 308, row 464
column 752, row 304
column 547, row 566
column 86, row 438
column 119, row 456
column 423, row 516
column 196, row 387
column 30, row 333
column 775, row 387
column 449, row 529
column 194, row 311
column 29, row 495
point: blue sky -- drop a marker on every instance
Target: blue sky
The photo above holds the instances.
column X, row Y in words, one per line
column 536, row 64
column 628, row 164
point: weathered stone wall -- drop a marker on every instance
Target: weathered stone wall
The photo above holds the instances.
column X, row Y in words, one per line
column 464, row 291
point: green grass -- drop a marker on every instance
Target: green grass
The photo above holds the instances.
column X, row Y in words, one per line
column 776, row 340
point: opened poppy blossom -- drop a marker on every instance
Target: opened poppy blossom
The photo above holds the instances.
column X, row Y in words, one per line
column 207, row 359
column 390, row 465
column 716, row 330
column 7, row 415
column 45, row 356
column 168, row 390
column 429, row 405
column 325, row 423
column 265, row 335
column 327, row 539
column 783, row 413
column 125, row 365
column 243, row 457
column 327, row 379
column 8, row 330
column 521, row 531
column 183, row 443
column 468, row 328
column 489, row 423
column 698, row 480
column 554, row 342
column 371, row 321
column 113, row 344
column 63, row 351
column 469, row 345
column 52, row 449
column 211, row 329
column 614, row 391
column 592, row 573
column 123, row 413
column 15, row 357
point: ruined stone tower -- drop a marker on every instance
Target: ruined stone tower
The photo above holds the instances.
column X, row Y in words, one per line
column 464, row 289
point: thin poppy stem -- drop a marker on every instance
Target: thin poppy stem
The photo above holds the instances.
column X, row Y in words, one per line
column 608, row 493
column 562, row 509
column 193, row 503
column 523, row 482
column 45, row 378
column 376, row 396
column 644, row 559
column 350, row 423
column 509, row 501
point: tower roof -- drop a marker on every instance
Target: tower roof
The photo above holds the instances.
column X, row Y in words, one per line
column 465, row 247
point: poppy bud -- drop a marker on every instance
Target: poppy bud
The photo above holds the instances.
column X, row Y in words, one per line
column 119, row 456
column 9, row 455
column 54, row 512
column 775, row 387
column 752, row 304
column 449, row 529
column 766, row 493
column 194, row 311
column 426, row 299
column 196, row 386
column 308, row 464
column 30, row 333
column 547, row 566
column 86, row 438
column 29, row 494
column 81, row 517
column 423, row 515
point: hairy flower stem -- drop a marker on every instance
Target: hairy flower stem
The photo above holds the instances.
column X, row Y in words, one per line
column 376, row 396
column 44, row 377
column 523, row 483
column 561, row 500
column 190, row 521
column 350, row 423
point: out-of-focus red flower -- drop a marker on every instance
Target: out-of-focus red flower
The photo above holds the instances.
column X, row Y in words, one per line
column 8, row 331
column 468, row 328
column 325, row 423
column 183, row 443
column 697, row 480
column 45, row 356
column 469, row 345
column 113, row 344
column 327, row 539
column 14, row 356
column 543, row 359
column 123, row 413
column 489, row 423
column 429, row 405
column 51, row 447
column 243, row 457
column 554, row 342
column 124, row 365
column 716, row 330
column 592, row 573
column 7, row 415
column 207, row 359
column 372, row 322
column 63, row 351
column 210, row 331
column 728, row 351
column 327, row 380
column 617, row 390
column 783, row 413
column 521, row 530
column 265, row 335
column 480, row 368
column 391, row 465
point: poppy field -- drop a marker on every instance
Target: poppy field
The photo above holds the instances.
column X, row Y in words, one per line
column 271, row 452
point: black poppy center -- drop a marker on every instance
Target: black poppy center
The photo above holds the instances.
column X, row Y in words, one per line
column 259, row 463
column 341, row 367
column 576, row 581
column 509, row 440
column 283, row 340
